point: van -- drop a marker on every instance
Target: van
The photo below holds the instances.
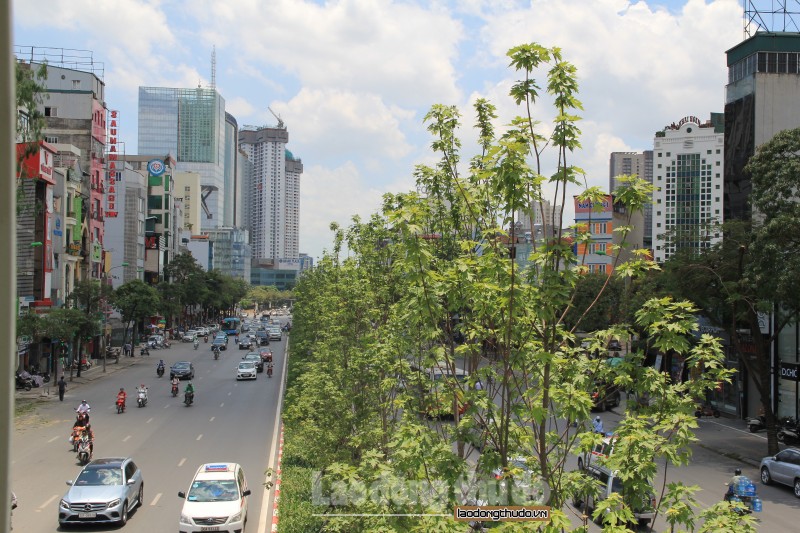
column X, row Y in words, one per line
column 608, row 482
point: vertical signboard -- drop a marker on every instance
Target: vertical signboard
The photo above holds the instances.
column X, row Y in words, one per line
column 114, row 164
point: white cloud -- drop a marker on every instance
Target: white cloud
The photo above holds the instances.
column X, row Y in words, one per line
column 332, row 195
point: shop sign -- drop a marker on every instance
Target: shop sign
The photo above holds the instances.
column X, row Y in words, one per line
column 789, row 371
column 115, row 164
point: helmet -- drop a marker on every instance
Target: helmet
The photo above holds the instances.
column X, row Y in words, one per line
column 597, row 418
column 737, row 472
column 121, row 389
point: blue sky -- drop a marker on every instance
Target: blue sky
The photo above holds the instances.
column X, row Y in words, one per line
column 353, row 79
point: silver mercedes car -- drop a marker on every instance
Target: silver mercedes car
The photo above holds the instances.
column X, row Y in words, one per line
column 106, row 490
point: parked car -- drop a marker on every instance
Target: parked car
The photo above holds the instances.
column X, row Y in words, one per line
column 608, row 482
column 106, row 490
column 783, row 468
column 246, row 370
column 216, row 499
column 182, row 370
column 256, row 359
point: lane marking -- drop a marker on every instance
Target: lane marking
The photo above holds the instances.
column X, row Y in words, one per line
column 48, row 502
column 166, row 406
column 200, row 436
column 126, row 438
column 212, row 418
column 230, row 393
column 155, row 500
column 733, row 429
column 266, row 508
column 149, row 420
column 182, row 461
column 53, row 439
column 222, row 404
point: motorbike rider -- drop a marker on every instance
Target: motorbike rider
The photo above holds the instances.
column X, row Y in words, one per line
column 142, row 390
column 122, row 396
column 597, row 424
column 196, row 343
column 160, row 365
column 83, row 410
column 205, row 338
column 735, row 480
column 189, row 390
column 269, row 369
column 89, row 432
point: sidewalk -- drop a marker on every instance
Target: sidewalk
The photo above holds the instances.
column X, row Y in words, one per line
column 87, row 376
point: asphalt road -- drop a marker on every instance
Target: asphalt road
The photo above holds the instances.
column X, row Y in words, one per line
column 231, row 420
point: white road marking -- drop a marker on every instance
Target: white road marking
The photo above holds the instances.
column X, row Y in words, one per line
column 182, row 461
column 155, row 500
column 222, row 404
column 53, row 439
column 149, row 420
column 48, row 502
column 734, row 429
column 230, row 393
column 212, row 418
column 200, row 436
column 266, row 508
column 166, row 406
column 126, row 438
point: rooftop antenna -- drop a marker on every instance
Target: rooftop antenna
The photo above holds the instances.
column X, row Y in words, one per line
column 214, row 67
column 280, row 121
column 770, row 16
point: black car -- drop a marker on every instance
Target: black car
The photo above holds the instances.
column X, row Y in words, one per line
column 262, row 338
column 182, row 370
column 256, row 358
column 219, row 343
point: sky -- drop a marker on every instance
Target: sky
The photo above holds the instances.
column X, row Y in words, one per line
column 353, row 79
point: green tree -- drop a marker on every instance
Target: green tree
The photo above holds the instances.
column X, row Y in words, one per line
column 89, row 296
column 65, row 325
column 433, row 279
column 135, row 301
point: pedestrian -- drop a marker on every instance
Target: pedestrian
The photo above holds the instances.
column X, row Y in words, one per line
column 62, row 388
column 598, row 425
column 128, row 349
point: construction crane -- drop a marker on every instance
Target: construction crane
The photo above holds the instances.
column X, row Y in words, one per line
column 280, row 120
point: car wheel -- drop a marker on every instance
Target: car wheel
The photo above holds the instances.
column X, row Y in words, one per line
column 123, row 518
column 766, row 478
column 140, row 497
column 797, row 488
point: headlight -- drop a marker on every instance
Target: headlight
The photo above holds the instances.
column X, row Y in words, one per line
column 186, row 520
column 112, row 503
column 235, row 518
column 63, row 504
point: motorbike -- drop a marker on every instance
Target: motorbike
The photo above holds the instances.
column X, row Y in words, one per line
column 120, row 405
column 196, row 344
column 82, row 418
column 789, row 433
column 706, row 410
column 44, row 375
column 144, row 351
column 84, row 450
column 23, row 382
column 141, row 398
column 216, row 352
column 269, row 371
column 174, row 390
column 160, row 370
column 744, row 493
column 205, row 339
column 165, row 344
column 756, row 424
column 188, row 398
column 75, row 438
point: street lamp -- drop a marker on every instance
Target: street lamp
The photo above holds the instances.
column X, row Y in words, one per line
column 105, row 313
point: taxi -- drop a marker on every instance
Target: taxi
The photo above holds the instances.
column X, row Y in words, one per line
column 216, row 500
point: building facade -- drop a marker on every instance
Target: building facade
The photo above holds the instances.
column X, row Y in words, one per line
column 274, row 194
column 688, row 186
column 641, row 165
column 606, row 247
column 125, row 235
column 189, row 125
column 229, row 252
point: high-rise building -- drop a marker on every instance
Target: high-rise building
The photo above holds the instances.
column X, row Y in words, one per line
column 231, row 209
column 542, row 218
column 190, row 125
column 187, row 187
column 274, row 217
column 125, row 232
column 641, row 165
column 688, row 172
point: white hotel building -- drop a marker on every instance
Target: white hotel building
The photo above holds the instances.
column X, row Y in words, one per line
column 688, row 182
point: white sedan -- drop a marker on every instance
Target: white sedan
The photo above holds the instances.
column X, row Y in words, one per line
column 189, row 336
column 246, row 370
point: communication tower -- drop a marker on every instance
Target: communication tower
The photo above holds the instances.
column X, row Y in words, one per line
column 770, row 16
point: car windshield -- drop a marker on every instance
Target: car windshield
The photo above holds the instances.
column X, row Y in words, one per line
column 213, row 491
column 99, row 476
column 180, row 366
column 246, row 365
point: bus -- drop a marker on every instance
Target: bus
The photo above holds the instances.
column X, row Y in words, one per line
column 231, row 325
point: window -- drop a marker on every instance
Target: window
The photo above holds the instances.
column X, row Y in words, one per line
column 51, row 140
column 76, row 84
column 51, row 111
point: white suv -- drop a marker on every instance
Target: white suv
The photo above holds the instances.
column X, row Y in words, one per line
column 216, row 500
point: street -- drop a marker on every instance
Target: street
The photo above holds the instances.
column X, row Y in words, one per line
column 230, row 420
